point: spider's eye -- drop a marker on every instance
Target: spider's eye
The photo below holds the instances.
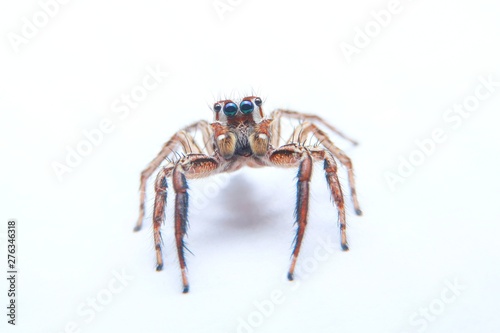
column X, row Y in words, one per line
column 246, row 106
column 258, row 101
column 230, row 109
column 217, row 107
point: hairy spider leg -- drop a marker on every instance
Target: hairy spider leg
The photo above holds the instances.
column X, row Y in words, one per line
column 277, row 114
column 291, row 156
column 159, row 211
column 181, row 210
column 301, row 133
column 182, row 138
column 330, row 167
column 190, row 166
column 343, row 158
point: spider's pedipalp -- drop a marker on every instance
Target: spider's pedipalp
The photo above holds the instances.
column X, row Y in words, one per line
column 225, row 140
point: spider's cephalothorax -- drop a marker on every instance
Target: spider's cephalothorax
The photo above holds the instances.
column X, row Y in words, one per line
column 241, row 135
column 238, row 128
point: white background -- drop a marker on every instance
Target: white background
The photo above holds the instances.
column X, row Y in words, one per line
column 440, row 225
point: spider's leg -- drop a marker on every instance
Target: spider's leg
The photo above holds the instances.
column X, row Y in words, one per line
column 332, row 179
column 159, row 212
column 191, row 166
column 310, row 117
column 344, row 159
column 330, row 165
column 275, row 129
column 307, row 128
column 189, row 146
column 181, row 138
column 302, row 206
column 207, row 135
column 301, row 133
column 181, row 209
column 288, row 156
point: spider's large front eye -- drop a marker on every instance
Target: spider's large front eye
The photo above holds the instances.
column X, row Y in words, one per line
column 230, row 109
column 217, row 107
column 246, row 106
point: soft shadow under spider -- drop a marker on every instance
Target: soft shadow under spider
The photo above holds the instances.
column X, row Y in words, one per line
column 243, row 206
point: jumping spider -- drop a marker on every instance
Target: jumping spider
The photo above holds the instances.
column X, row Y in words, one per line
column 241, row 135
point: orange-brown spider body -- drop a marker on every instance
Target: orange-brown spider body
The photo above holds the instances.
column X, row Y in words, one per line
column 241, row 135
